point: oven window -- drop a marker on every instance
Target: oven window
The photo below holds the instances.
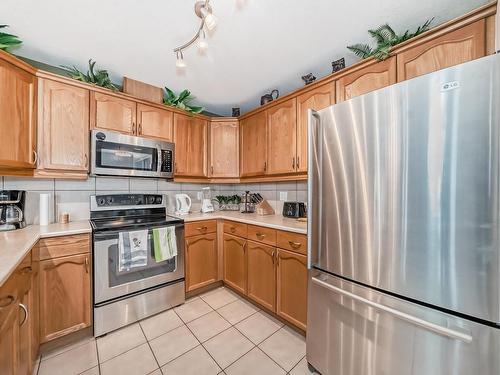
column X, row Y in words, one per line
column 122, row 156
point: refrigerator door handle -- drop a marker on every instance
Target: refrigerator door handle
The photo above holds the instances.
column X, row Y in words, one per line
column 401, row 315
column 312, row 166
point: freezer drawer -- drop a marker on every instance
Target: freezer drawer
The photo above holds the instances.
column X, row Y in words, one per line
column 354, row 330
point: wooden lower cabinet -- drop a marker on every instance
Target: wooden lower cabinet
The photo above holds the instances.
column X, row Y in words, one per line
column 25, row 324
column 292, row 287
column 235, row 262
column 9, row 337
column 261, row 274
column 64, row 295
column 201, row 261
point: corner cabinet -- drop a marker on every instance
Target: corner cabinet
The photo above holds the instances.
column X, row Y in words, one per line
column 190, row 137
column 112, row 113
column 64, row 128
column 253, row 145
column 17, row 118
column 224, row 149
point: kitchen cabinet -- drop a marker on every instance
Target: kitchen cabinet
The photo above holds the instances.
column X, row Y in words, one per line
column 282, row 137
column 65, row 296
column 190, row 137
column 112, row 113
column 224, row 149
column 9, row 337
column 291, row 278
column 17, row 118
column 253, row 145
column 155, row 123
column 375, row 75
column 261, row 280
column 235, row 262
column 63, row 127
column 201, row 261
column 464, row 44
column 320, row 97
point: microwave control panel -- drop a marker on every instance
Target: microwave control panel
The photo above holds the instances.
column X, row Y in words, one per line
column 167, row 161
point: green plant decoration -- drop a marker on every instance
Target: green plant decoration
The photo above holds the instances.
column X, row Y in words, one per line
column 182, row 101
column 8, row 40
column 386, row 38
column 97, row 77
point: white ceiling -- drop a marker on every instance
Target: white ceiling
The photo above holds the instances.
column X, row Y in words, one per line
column 258, row 45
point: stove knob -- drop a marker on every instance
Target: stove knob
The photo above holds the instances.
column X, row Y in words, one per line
column 109, row 200
column 158, row 200
column 101, row 201
column 151, row 199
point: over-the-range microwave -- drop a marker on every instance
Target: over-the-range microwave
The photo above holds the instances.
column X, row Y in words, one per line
column 116, row 154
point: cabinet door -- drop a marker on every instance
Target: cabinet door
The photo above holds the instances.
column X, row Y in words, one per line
column 201, row 261
column 64, row 295
column 235, row 263
column 262, row 274
column 282, row 137
column 253, row 145
column 224, row 149
column 292, row 288
column 65, row 126
column 9, row 337
column 375, row 76
column 155, row 123
column 190, row 137
column 25, row 360
column 459, row 46
column 17, row 117
column 319, row 98
column 112, row 113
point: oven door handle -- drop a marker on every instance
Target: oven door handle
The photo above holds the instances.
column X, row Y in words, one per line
column 106, row 233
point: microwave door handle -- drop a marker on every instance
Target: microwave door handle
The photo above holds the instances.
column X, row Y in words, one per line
column 158, row 164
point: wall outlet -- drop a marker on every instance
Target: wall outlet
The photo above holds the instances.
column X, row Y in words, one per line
column 283, row 196
column 199, row 195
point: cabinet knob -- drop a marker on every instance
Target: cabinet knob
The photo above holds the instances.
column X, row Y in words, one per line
column 86, row 264
column 140, row 129
column 86, row 160
column 133, row 127
column 6, row 301
column 35, row 157
column 272, row 255
column 26, row 270
column 25, row 309
column 265, row 166
column 232, row 229
column 293, row 163
column 202, row 228
column 298, row 162
column 295, row 245
column 260, row 236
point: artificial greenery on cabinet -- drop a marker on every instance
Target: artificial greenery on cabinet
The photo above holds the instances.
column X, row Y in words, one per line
column 8, row 40
column 98, row 77
column 181, row 101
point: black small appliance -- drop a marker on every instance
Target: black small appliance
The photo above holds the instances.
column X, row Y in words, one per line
column 12, row 209
column 294, row 209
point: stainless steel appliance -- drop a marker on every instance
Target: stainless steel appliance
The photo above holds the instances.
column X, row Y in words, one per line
column 12, row 209
column 125, row 295
column 404, row 249
column 294, row 209
column 116, row 154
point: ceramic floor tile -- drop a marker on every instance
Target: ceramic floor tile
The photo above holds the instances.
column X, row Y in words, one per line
column 192, row 310
column 286, row 347
column 208, row 326
column 302, row 369
column 61, row 349
column 196, row 361
column 220, row 297
column 71, row 362
column 138, row 361
column 258, row 327
column 254, row 362
column 156, row 372
column 237, row 311
column 92, row 371
column 228, row 346
column 172, row 344
column 159, row 324
column 120, row 341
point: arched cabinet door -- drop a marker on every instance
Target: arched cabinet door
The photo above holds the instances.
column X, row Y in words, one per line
column 201, row 261
column 261, row 280
column 235, row 263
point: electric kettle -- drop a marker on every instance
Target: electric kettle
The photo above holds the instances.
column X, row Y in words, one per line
column 182, row 204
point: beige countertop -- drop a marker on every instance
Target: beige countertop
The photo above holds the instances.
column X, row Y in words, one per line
column 271, row 221
column 14, row 245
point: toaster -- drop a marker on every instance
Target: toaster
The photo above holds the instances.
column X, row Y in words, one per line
column 294, row 209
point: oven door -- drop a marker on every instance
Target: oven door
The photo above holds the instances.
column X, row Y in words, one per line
column 110, row 282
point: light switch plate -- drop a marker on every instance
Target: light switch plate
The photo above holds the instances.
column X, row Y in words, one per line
column 283, row 195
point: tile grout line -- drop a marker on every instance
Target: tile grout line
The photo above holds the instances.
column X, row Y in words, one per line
column 151, row 349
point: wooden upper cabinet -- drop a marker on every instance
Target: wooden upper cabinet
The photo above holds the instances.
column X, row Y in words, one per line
column 235, row 262
column 112, row 113
column 190, row 137
column 253, row 145
column 456, row 47
column 224, row 149
column 201, row 261
column 318, row 98
column 262, row 274
column 155, row 122
column 17, row 117
column 375, row 76
column 282, row 137
column 64, row 126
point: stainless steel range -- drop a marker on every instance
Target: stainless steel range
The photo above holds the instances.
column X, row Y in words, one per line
column 129, row 286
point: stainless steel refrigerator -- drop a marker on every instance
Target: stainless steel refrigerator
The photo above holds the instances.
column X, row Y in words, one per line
column 404, row 248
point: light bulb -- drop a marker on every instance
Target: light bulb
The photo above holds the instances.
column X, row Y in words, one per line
column 210, row 19
column 202, row 41
column 180, row 60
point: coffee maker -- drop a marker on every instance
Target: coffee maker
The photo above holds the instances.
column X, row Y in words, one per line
column 12, row 209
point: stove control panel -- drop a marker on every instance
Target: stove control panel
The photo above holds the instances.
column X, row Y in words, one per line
column 113, row 200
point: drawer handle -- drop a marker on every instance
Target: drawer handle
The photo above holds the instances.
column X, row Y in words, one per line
column 7, row 301
column 26, row 270
column 232, row 229
column 202, row 228
column 272, row 255
column 295, row 245
column 86, row 264
column 25, row 309
column 260, row 236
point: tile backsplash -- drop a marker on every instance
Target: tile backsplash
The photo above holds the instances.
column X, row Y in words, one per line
column 73, row 196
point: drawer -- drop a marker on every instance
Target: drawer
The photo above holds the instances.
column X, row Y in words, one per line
column 236, row 229
column 196, row 228
column 18, row 283
column 262, row 234
column 56, row 247
column 292, row 241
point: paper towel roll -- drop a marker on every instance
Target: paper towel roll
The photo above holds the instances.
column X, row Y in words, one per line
column 44, row 209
